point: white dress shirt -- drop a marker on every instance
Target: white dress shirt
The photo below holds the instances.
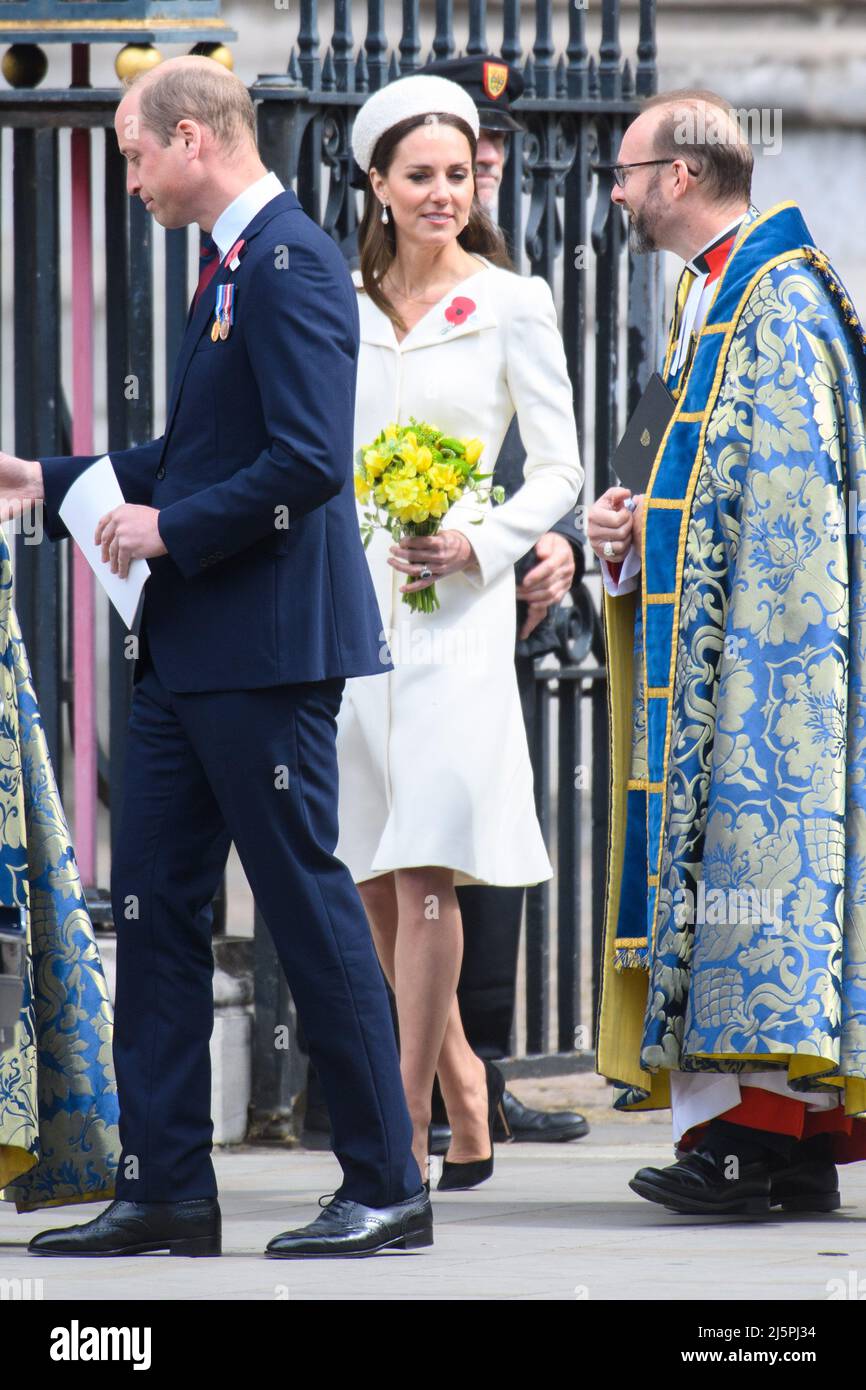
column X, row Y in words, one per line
column 241, row 211
column 700, row 296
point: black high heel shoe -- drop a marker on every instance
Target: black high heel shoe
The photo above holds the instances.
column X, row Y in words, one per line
column 457, row 1176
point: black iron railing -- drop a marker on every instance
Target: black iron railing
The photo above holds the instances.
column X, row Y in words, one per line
column 558, row 219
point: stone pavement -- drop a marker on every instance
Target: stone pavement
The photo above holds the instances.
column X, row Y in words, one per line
column 556, row 1222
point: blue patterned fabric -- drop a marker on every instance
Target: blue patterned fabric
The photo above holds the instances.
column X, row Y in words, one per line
column 59, row 1139
column 755, row 713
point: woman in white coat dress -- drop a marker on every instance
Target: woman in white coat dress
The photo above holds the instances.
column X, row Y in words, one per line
column 435, row 778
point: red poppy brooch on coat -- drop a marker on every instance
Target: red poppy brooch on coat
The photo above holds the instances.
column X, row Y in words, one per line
column 459, row 309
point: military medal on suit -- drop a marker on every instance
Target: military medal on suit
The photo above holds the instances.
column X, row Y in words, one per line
column 225, row 297
column 225, row 312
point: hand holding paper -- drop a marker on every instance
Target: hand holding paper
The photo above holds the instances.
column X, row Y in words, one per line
column 129, row 532
column 95, row 492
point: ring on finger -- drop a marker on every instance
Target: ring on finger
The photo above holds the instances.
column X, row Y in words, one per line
column 425, row 572
column 608, row 550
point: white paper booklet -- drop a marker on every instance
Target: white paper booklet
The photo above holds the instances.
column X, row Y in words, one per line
column 95, row 492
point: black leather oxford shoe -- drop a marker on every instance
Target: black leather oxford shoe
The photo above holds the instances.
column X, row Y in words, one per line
column 806, row 1185
column 348, row 1228
column 136, row 1228
column 528, row 1126
column 697, row 1185
column 522, row 1125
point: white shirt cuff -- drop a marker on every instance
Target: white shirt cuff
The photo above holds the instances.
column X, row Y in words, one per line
column 628, row 573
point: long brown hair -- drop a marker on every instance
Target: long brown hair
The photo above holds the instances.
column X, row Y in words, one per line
column 377, row 240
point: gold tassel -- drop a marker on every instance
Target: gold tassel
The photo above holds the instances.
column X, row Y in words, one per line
column 631, row 958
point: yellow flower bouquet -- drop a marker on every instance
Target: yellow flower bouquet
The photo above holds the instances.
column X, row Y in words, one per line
column 408, row 478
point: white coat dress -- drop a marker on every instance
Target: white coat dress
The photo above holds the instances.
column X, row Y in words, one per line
column 433, row 760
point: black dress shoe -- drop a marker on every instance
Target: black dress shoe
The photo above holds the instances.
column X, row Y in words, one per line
column 538, row 1126
column 349, row 1228
column 457, row 1177
column 135, row 1228
column 696, row 1185
column 806, row 1185
column 523, row 1125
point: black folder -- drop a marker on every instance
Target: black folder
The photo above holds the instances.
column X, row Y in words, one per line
column 635, row 454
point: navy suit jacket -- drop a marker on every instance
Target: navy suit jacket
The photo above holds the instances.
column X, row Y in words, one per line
column 258, row 423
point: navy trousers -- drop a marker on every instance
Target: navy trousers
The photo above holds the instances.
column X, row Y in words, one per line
column 257, row 767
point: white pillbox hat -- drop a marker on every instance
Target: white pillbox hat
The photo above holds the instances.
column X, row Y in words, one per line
column 416, row 95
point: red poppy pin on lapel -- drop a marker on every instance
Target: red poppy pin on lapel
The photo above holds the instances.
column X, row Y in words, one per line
column 458, row 311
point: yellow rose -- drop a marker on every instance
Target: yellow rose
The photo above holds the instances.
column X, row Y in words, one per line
column 423, row 459
column 474, row 448
column 442, row 475
column 401, row 492
column 362, row 488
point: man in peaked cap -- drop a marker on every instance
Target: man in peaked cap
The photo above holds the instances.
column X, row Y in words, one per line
column 492, row 85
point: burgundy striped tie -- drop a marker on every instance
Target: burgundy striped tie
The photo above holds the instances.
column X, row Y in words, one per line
column 208, row 265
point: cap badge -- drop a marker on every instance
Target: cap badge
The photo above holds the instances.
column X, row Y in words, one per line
column 495, row 79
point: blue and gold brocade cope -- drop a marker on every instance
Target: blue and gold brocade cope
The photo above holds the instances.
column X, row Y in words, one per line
column 59, row 1139
column 736, row 699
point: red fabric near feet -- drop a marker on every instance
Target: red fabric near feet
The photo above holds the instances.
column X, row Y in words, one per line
column 775, row 1114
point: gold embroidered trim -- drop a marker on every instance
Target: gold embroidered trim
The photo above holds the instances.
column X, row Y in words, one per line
column 686, row 503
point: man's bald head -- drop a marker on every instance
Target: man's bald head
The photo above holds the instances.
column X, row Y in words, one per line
column 196, row 89
column 684, row 172
column 702, row 128
column 187, row 130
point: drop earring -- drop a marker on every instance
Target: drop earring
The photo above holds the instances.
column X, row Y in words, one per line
column 385, row 213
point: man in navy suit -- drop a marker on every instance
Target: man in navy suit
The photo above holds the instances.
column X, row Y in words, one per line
column 258, row 607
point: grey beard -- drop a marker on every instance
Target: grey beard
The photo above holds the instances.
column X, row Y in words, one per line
column 640, row 238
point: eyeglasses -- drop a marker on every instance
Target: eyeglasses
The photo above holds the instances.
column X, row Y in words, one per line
column 618, row 170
